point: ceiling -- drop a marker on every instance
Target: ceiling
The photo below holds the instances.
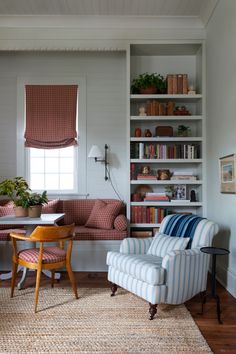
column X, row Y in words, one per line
column 200, row 9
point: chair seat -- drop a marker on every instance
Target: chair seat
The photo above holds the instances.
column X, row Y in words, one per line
column 143, row 267
column 50, row 255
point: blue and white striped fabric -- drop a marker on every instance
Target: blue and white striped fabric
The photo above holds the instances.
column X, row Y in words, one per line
column 186, row 274
column 151, row 293
column 132, row 245
column 142, row 267
column 180, row 225
column 162, row 244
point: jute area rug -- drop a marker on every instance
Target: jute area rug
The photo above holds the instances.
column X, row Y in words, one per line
column 95, row 323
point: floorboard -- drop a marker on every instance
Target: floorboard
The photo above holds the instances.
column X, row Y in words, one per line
column 220, row 337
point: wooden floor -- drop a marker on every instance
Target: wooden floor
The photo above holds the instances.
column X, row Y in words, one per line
column 220, row 337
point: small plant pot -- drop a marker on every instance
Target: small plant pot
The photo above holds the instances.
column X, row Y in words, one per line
column 35, row 211
column 20, row 211
column 151, row 90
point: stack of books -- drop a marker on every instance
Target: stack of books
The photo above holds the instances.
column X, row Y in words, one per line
column 183, row 175
column 141, row 233
column 142, row 176
column 155, row 197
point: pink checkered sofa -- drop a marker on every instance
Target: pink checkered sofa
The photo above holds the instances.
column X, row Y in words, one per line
column 95, row 219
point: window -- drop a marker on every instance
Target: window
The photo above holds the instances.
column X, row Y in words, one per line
column 59, row 171
column 53, row 169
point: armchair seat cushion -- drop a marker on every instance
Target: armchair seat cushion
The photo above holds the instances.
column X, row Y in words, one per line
column 50, row 255
column 144, row 267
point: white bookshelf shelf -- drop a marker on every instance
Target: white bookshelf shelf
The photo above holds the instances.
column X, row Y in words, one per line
column 167, row 204
column 166, row 161
column 167, row 97
column 166, row 118
column 166, row 182
column 167, row 139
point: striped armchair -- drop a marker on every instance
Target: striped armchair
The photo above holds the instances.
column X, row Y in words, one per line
column 173, row 278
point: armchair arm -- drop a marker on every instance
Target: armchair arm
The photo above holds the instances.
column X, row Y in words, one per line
column 132, row 245
column 186, row 274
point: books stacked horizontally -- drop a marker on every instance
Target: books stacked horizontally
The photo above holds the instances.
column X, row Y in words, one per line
column 142, row 176
column 141, row 233
column 183, row 175
column 155, row 197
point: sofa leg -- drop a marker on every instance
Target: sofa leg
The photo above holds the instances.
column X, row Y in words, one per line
column 152, row 310
column 113, row 289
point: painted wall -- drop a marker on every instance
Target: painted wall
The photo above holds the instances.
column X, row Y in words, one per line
column 106, row 108
column 221, row 128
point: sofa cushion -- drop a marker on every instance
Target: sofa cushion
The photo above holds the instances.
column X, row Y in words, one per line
column 162, row 244
column 5, row 234
column 121, row 223
column 50, row 207
column 143, row 267
column 8, row 209
column 87, row 233
column 103, row 215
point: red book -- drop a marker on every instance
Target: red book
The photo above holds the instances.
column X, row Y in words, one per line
column 175, row 90
column 179, row 83
column 169, row 84
column 185, row 84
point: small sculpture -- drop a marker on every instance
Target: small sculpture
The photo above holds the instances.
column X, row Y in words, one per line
column 193, row 196
column 163, row 174
column 138, row 132
column 142, row 111
column 145, row 170
column 147, row 133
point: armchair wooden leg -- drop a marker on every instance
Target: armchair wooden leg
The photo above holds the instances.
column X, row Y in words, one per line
column 13, row 279
column 72, row 279
column 113, row 289
column 37, row 289
column 152, row 310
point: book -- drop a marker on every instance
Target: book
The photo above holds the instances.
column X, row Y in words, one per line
column 180, row 83
column 185, row 84
column 169, row 84
column 141, row 233
column 180, row 201
column 175, row 89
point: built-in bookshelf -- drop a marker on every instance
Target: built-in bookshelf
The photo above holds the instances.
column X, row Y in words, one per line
column 182, row 156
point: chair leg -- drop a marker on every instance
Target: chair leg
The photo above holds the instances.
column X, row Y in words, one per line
column 13, row 279
column 152, row 310
column 113, row 289
column 52, row 277
column 37, row 289
column 72, row 279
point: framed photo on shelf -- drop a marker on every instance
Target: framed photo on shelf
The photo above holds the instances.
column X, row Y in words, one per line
column 227, row 174
column 179, row 191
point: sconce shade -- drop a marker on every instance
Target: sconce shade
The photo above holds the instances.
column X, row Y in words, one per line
column 95, row 152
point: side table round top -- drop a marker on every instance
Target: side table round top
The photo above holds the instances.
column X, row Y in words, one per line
column 215, row 250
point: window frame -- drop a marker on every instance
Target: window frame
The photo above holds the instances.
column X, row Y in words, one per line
column 80, row 160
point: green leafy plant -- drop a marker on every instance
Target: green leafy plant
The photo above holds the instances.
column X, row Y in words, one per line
column 17, row 189
column 37, row 199
column 183, row 130
column 149, row 80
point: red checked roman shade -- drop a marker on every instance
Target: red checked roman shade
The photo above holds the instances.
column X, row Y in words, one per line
column 50, row 116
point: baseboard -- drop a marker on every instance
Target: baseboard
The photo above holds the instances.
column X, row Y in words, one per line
column 227, row 278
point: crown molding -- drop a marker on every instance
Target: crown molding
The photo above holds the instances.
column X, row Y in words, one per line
column 207, row 10
column 73, row 21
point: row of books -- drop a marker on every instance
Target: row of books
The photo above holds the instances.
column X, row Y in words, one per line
column 164, row 151
column 183, row 175
column 156, row 108
column 177, row 84
column 148, row 215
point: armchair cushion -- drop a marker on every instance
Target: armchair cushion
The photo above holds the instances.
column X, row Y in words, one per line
column 143, row 267
column 162, row 244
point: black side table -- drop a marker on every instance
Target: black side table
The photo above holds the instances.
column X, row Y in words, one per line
column 214, row 251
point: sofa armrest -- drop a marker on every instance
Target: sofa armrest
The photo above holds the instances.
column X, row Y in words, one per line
column 132, row 245
column 186, row 274
column 121, row 223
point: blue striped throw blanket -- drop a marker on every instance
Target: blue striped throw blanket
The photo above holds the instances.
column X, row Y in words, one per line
column 181, row 225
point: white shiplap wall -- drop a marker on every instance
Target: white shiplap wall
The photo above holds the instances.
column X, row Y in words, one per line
column 106, row 116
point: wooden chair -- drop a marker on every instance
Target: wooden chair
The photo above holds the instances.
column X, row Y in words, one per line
column 51, row 257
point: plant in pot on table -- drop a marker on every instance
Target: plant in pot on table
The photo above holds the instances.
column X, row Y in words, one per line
column 149, row 84
column 35, row 203
column 17, row 190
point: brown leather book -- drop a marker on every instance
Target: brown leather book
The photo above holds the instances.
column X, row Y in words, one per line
column 185, row 84
column 180, row 84
column 175, row 89
column 169, row 84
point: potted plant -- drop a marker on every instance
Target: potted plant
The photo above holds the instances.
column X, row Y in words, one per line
column 183, row 130
column 149, row 84
column 35, row 203
column 17, row 189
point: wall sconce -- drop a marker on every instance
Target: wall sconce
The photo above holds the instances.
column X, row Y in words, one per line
column 98, row 156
